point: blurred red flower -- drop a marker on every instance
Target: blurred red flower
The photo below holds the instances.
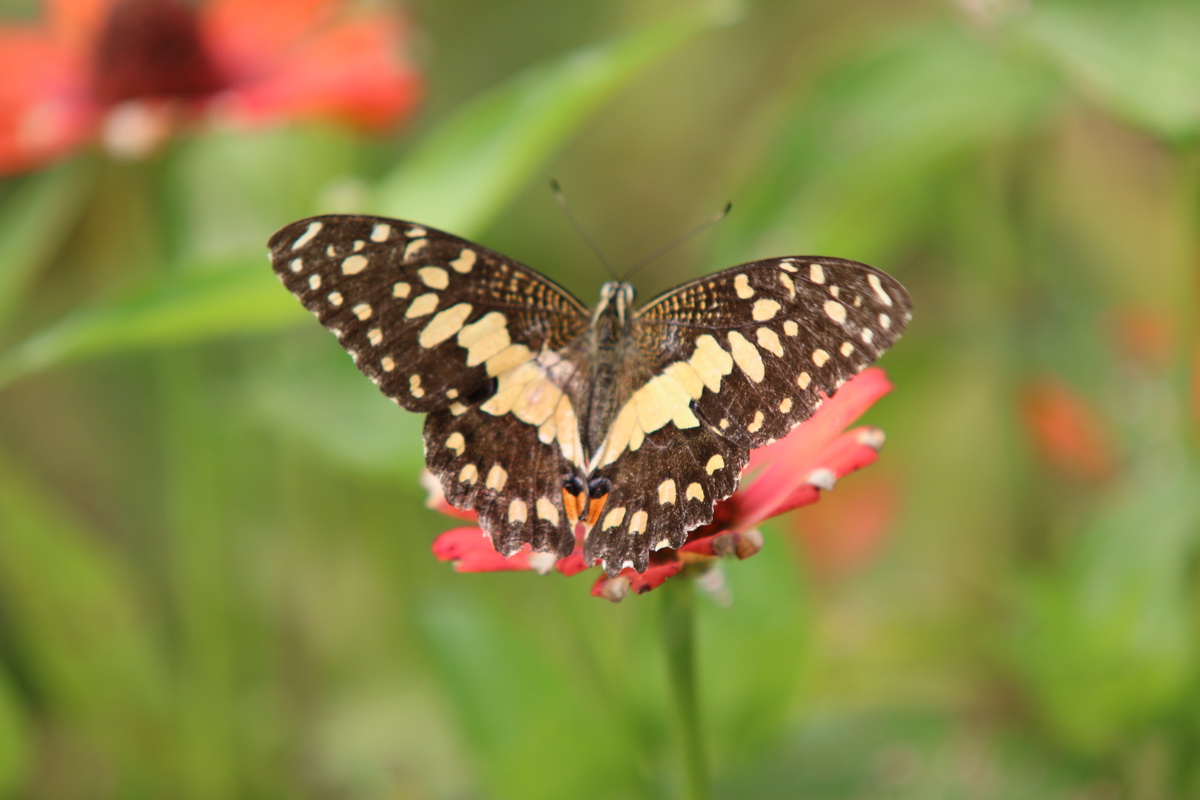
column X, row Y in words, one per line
column 783, row 476
column 1067, row 431
column 127, row 72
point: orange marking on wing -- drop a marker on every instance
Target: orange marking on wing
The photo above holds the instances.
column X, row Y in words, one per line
column 595, row 506
column 573, row 504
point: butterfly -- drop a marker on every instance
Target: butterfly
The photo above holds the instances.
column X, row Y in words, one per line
column 543, row 414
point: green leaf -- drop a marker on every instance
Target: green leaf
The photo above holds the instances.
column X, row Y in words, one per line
column 15, row 747
column 1106, row 643
column 34, row 220
column 186, row 306
column 73, row 621
column 463, row 172
column 1141, row 67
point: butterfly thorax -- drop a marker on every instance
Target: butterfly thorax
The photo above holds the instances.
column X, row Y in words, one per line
column 607, row 340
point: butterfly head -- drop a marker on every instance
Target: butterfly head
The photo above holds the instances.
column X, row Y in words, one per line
column 616, row 297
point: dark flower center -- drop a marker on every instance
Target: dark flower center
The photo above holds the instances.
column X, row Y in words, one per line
column 152, row 49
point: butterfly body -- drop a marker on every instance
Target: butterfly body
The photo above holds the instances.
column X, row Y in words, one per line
column 543, row 415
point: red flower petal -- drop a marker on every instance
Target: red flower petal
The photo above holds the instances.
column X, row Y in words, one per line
column 790, row 464
column 471, row 551
column 352, row 73
column 628, row 580
column 43, row 113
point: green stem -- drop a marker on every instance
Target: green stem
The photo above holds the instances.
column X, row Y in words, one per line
column 679, row 643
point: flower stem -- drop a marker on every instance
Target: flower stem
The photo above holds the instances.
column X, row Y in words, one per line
column 679, row 639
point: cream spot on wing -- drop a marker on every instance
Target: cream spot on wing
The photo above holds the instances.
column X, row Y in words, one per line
column 867, row 335
column 790, row 327
column 788, row 284
column 444, row 325
column 694, row 492
column 414, row 387
column 452, row 393
column 484, row 338
column 424, row 304
column 518, row 512
column 458, row 409
column 858, row 301
column 359, row 244
column 877, row 287
column 613, row 518
column 388, row 363
column 666, row 492
column 401, row 289
column 414, row 247
column 314, row 282
column 785, row 405
column 835, row 311
column 336, row 299
column 765, row 309
column 816, row 273
column 834, row 291
column 309, row 234
column 434, row 277
column 746, row 356
column 715, row 463
column 415, row 232
column 297, row 264
column 885, row 322
column 638, row 522
column 465, row 261
column 846, row 349
column 741, row 285
column 508, row 358
column 456, row 443
column 711, row 362
column 819, row 357
column 496, row 478
column 768, row 340
column 375, row 336
column 352, row 265
column 789, row 265
column 756, row 424
column 723, row 424
column 363, row 311
column 803, row 380
column 381, row 232
column 469, row 474
column 547, row 511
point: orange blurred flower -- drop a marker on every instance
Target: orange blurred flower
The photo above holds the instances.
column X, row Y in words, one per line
column 128, row 72
column 1066, row 430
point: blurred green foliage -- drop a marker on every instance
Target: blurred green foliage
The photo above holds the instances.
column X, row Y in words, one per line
column 215, row 578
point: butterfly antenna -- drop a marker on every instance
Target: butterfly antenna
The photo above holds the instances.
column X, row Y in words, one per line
column 561, row 198
column 703, row 226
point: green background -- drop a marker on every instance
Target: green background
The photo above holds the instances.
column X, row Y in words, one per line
column 215, row 576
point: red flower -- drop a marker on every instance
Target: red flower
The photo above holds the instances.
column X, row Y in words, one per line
column 126, row 71
column 1068, row 432
column 788, row 474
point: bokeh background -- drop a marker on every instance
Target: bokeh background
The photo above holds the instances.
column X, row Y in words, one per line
column 215, row 567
